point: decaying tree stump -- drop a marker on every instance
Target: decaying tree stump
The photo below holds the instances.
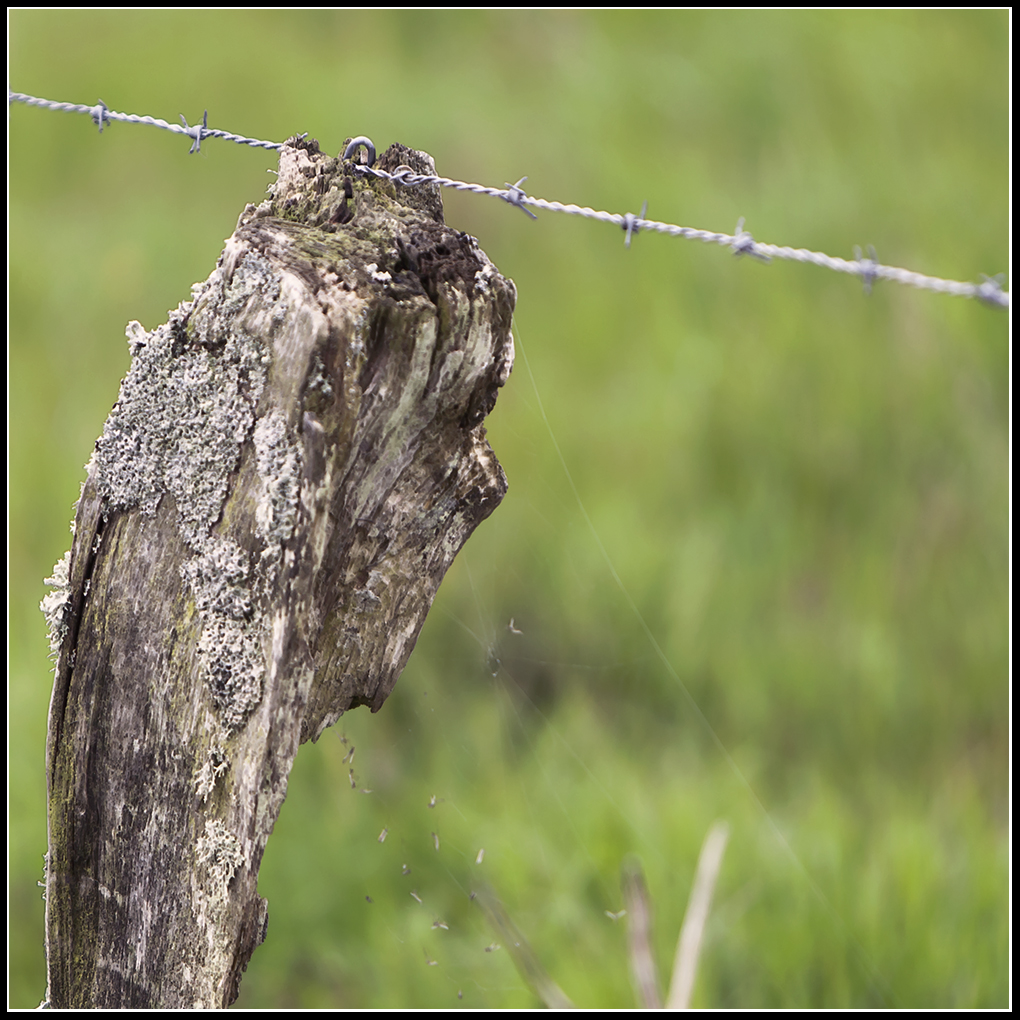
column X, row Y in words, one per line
column 294, row 460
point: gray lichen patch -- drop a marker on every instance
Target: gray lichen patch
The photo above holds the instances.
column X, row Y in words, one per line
column 216, row 764
column 225, row 585
column 218, row 578
column 56, row 605
column 231, row 653
column 278, row 458
column 220, row 851
column 185, row 407
column 229, row 646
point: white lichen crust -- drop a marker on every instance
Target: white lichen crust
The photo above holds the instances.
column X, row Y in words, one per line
column 185, row 409
column 230, row 642
column 186, row 406
column 278, row 458
column 56, row 604
column 219, row 850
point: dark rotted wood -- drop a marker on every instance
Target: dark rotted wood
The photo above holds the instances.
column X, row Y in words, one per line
column 294, row 460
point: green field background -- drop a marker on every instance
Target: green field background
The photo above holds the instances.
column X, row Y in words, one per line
column 803, row 490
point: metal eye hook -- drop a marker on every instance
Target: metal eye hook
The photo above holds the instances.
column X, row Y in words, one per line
column 356, row 143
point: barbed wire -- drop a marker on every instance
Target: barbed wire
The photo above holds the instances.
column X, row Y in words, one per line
column 741, row 242
column 101, row 115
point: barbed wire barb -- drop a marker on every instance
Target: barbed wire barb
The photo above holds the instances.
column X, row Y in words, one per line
column 632, row 223
column 867, row 265
column 196, row 132
column 990, row 290
column 868, row 269
column 99, row 115
column 744, row 243
column 515, row 196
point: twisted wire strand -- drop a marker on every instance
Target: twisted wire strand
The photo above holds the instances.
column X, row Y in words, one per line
column 869, row 269
column 742, row 243
column 100, row 114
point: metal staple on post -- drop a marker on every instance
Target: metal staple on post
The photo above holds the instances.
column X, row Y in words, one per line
column 869, row 269
column 356, row 143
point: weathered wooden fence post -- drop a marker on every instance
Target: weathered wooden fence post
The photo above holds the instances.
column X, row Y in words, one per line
column 294, row 460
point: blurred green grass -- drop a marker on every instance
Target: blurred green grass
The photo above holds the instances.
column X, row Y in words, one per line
column 804, row 490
